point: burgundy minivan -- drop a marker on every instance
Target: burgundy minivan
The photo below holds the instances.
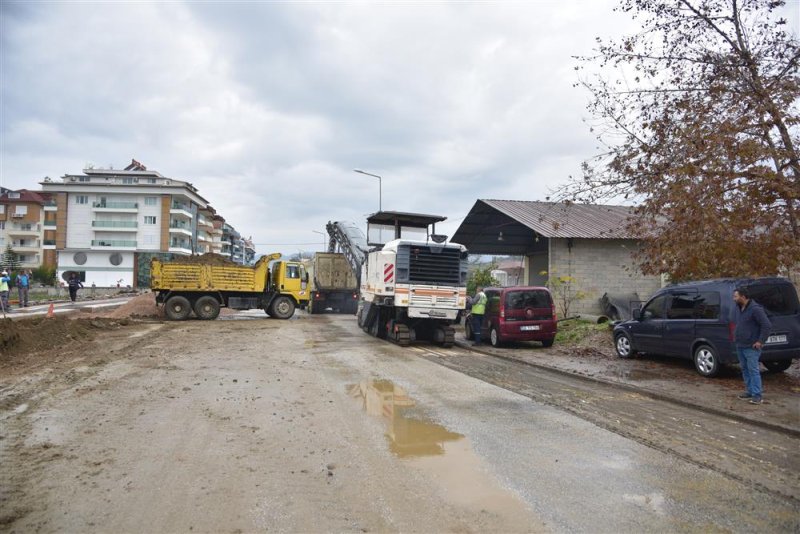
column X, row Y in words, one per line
column 518, row 313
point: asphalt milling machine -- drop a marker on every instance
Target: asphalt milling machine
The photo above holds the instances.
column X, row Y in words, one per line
column 412, row 282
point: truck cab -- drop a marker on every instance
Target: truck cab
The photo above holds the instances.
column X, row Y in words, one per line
column 290, row 278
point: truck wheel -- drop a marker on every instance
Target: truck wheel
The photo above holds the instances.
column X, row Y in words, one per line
column 310, row 308
column 177, row 308
column 206, row 308
column 282, row 308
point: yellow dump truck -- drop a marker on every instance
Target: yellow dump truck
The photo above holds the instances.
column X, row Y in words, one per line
column 204, row 286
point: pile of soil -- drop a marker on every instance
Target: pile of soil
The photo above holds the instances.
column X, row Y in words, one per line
column 206, row 259
column 144, row 306
column 42, row 334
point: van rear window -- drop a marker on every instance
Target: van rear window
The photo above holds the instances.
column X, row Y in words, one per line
column 777, row 299
column 519, row 300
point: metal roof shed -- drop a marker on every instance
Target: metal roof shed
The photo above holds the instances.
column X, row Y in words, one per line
column 518, row 226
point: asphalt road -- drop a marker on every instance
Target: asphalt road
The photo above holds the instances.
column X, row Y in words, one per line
column 310, row 425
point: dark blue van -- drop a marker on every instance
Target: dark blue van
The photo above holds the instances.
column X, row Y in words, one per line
column 693, row 320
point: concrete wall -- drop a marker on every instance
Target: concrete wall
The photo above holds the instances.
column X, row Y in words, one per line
column 98, row 267
column 600, row 266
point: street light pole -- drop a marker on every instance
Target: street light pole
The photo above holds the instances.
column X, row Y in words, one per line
column 324, row 239
column 380, row 186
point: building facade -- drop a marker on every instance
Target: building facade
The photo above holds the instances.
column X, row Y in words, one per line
column 588, row 244
column 27, row 224
column 105, row 219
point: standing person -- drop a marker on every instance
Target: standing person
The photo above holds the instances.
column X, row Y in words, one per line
column 23, row 283
column 750, row 333
column 478, row 310
column 4, row 281
column 74, row 285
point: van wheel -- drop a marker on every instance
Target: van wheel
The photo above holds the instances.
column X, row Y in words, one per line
column 177, row 308
column 282, row 308
column 706, row 361
column 206, row 308
column 468, row 333
column 548, row 342
column 494, row 337
column 623, row 345
column 777, row 367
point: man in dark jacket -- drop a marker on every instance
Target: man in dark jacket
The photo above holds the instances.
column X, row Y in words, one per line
column 751, row 332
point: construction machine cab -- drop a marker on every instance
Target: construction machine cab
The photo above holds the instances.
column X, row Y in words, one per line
column 385, row 226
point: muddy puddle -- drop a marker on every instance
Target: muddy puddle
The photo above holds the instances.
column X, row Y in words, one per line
column 447, row 457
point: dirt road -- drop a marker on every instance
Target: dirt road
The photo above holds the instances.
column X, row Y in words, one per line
column 309, row 425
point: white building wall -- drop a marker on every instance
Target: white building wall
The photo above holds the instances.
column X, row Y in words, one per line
column 79, row 229
column 98, row 267
column 149, row 235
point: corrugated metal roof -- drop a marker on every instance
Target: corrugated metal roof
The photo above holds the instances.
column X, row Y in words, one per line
column 559, row 219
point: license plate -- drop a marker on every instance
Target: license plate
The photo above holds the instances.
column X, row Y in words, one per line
column 531, row 327
column 776, row 339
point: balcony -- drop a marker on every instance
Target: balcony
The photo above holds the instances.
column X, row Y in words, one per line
column 180, row 209
column 180, row 228
column 202, row 236
column 115, row 243
column 117, row 207
column 25, row 246
column 50, row 205
column 202, row 221
column 49, row 244
column 116, row 226
column 24, row 229
column 181, row 247
column 51, row 224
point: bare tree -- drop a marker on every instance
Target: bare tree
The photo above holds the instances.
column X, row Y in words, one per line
column 698, row 116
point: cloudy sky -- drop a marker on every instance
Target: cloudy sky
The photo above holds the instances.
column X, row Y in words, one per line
column 267, row 107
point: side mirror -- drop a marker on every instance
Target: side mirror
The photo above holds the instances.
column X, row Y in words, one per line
column 305, row 278
column 636, row 313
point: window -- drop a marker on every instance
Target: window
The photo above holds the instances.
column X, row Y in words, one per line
column 13, row 194
column 492, row 301
column 81, row 199
column 292, row 271
column 777, row 299
column 2, row 225
column 151, row 180
column 127, row 181
column 519, row 300
column 150, row 201
column 707, row 305
column 655, row 308
column 83, row 178
column 682, row 306
column 21, row 210
column 2, row 208
column 149, row 219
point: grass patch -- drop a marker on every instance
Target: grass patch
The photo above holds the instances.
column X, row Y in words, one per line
column 576, row 332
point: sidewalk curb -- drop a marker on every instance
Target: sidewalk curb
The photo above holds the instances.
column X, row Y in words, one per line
column 652, row 394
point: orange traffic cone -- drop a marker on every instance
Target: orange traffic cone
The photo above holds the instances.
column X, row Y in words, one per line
column 50, row 311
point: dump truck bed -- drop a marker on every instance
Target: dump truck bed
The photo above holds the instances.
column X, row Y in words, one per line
column 331, row 271
column 178, row 276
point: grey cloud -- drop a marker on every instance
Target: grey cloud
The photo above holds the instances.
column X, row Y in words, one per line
column 268, row 107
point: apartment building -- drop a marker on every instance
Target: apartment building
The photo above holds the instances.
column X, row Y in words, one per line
column 28, row 225
column 106, row 219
